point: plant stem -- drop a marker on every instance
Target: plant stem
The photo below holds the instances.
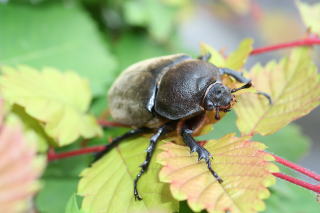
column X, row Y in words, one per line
column 106, row 123
column 297, row 168
column 315, row 188
column 52, row 155
column 302, row 42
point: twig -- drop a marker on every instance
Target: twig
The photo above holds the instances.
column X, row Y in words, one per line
column 297, row 168
column 55, row 156
column 302, row 42
column 106, row 123
column 315, row 188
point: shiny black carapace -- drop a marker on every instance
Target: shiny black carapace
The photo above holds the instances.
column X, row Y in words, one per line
column 154, row 95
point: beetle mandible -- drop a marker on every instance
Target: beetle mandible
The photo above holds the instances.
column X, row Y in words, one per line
column 155, row 94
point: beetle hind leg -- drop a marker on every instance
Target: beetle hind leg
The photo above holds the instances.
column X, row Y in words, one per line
column 202, row 152
column 150, row 150
column 117, row 140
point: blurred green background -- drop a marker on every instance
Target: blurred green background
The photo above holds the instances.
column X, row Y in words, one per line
column 99, row 38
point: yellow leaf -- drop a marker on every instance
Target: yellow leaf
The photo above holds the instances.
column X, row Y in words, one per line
column 243, row 166
column 108, row 185
column 310, row 15
column 238, row 58
column 216, row 58
column 294, row 86
column 59, row 100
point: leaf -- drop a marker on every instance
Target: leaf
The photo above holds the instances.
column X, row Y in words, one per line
column 72, row 206
column 235, row 60
column 294, row 86
column 59, row 100
column 289, row 142
column 56, row 35
column 242, row 164
column 157, row 16
column 60, row 181
column 238, row 58
column 287, row 197
column 310, row 15
column 20, row 167
column 107, row 186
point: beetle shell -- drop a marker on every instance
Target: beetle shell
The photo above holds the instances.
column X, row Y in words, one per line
column 153, row 91
column 131, row 97
column 182, row 89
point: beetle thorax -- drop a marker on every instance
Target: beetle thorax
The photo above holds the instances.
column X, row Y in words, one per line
column 217, row 96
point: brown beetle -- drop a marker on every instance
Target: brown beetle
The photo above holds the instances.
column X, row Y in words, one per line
column 155, row 94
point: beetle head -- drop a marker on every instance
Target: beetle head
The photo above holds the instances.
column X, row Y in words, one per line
column 217, row 97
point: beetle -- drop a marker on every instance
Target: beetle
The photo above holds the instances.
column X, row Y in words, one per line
column 156, row 94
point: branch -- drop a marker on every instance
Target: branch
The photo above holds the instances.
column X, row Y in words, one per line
column 52, row 155
column 302, row 42
column 297, row 168
column 306, row 185
column 106, row 123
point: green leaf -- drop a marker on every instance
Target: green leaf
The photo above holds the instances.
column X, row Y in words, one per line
column 310, row 15
column 60, row 182
column 55, row 35
column 155, row 15
column 126, row 49
column 72, row 205
column 60, row 100
column 288, row 142
column 107, row 186
column 287, row 197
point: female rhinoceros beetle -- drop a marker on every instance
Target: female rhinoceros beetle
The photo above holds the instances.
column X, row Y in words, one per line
column 154, row 95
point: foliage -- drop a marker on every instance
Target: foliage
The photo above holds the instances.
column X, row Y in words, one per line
column 19, row 170
column 58, row 100
column 310, row 15
column 97, row 39
column 241, row 163
column 111, row 178
column 294, row 86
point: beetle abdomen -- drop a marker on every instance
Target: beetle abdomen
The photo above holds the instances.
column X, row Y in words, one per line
column 131, row 97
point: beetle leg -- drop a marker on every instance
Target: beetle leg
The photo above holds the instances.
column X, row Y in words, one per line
column 117, row 140
column 240, row 78
column 202, row 152
column 205, row 57
column 150, row 150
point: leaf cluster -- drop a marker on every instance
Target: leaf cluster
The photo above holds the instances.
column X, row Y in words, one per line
column 74, row 50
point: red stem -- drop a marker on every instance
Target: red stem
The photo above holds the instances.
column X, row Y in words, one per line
column 315, row 188
column 55, row 156
column 302, row 42
column 297, row 168
column 106, row 123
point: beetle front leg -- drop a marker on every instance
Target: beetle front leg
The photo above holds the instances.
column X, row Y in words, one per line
column 150, row 150
column 202, row 152
column 240, row 78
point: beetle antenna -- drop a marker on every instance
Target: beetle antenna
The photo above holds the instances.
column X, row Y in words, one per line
column 217, row 115
column 247, row 85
